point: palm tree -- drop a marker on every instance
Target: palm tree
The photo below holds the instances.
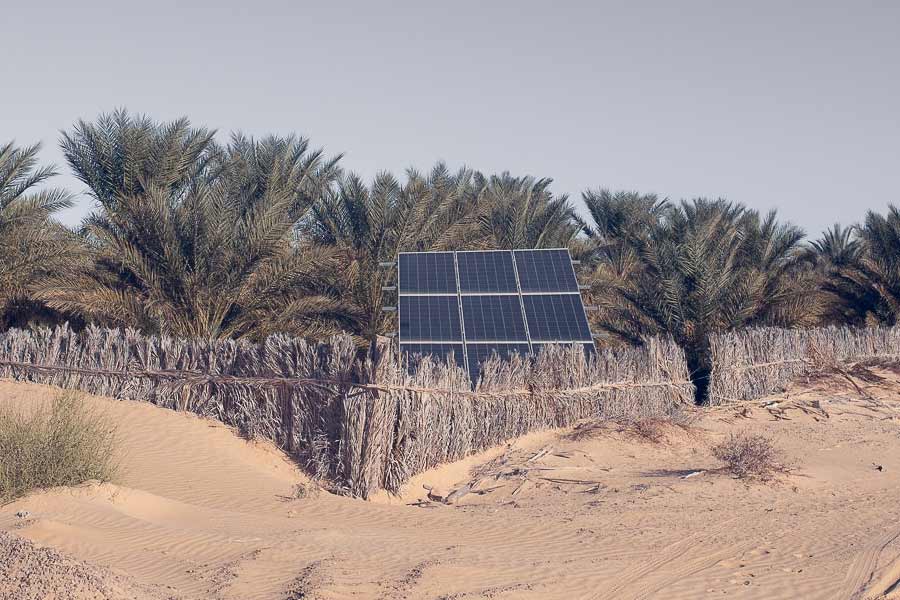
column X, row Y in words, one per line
column 443, row 211
column 618, row 220
column 838, row 247
column 620, row 215
column 124, row 155
column 196, row 240
column 521, row 212
column 32, row 243
column 862, row 270
column 369, row 225
column 695, row 269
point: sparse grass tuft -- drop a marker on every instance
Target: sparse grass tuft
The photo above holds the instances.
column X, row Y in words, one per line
column 749, row 456
column 63, row 442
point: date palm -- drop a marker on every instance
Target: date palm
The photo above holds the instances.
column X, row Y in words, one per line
column 619, row 222
column 521, row 212
column 838, row 247
column 369, row 225
column 695, row 269
column 862, row 272
column 194, row 239
column 123, row 155
column 32, row 243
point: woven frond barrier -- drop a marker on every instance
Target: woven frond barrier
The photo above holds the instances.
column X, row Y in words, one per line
column 753, row 363
column 359, row 424
column 235, row 382
column 428, row 428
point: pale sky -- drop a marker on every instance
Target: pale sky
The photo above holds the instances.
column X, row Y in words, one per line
column 787, row 105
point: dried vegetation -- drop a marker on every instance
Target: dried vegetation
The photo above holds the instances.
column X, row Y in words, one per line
column 64, row 442
column 749, row 456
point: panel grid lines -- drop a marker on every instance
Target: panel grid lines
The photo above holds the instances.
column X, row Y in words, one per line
column 486, row 272
column 462, row 321
column 559, row 317
column 429, row 319
column 494, row 318
column 434, row 272
column 546, row 271
column 469, row 305
column 521, row 301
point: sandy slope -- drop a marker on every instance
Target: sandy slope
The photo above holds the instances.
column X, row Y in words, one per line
column 200, row 513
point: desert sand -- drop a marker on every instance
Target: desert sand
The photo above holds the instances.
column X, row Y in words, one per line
column 597, row 511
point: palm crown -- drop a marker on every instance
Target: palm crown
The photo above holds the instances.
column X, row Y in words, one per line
column 194, row 239
column 32, row 243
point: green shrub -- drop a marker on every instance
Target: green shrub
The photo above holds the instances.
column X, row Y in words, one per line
column 64, row 442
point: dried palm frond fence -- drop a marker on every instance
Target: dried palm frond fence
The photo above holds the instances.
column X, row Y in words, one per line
column 358, row 424
column 753, row 363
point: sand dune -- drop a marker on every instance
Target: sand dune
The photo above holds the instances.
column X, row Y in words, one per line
column 601, row 512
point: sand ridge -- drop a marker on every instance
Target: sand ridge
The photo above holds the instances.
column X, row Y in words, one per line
column 599, row 512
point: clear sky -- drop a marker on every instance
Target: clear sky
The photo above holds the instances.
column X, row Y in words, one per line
column 787, row 105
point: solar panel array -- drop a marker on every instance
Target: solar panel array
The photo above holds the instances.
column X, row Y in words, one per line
column 472, row 304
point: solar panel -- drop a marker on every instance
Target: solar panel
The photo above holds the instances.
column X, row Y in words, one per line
column 556, row 317
column 429, row 319
column 546, row 271
column 486, row 272
column 496, row 318
column 439, row 352
column 469, row 305
column 478, row 353
column 427, row 273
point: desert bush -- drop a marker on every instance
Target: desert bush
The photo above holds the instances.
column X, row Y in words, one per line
column 63, row 442
column 749, row 456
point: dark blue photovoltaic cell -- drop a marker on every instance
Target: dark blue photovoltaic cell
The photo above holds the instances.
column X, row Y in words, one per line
column 589, row 349
column 556, row 317
column 429, row 319
column 438, row 352
column 478, row 353
column 493, row 318
column 427, row 273
column 486, row 271
column 546, row 271
column 432, row 321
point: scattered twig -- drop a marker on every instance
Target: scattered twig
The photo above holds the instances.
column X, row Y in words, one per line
column 540, row 454
column 571, row 481
column 520, row 487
